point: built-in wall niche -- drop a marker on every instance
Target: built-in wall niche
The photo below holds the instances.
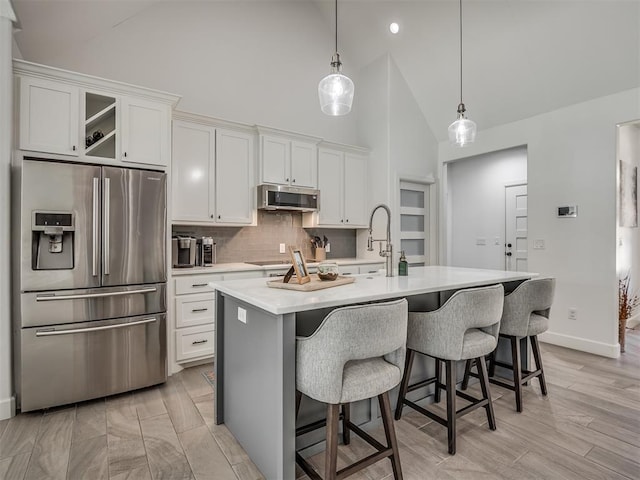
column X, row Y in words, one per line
column 100, row 125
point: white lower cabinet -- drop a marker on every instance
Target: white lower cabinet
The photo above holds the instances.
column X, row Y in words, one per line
column 195, row 317
column 194, row 343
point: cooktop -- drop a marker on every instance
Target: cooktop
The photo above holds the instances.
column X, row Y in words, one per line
column 269, row 262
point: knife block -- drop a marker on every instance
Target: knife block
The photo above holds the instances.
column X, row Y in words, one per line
column 320, row 254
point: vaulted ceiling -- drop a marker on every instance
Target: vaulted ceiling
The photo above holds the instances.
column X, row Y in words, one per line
column 521, row 57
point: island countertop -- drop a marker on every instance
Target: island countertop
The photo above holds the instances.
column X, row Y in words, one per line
column 366, row 288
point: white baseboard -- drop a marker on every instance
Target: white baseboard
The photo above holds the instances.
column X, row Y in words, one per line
column 634, row 321
column 584, row 345
column 7, row 408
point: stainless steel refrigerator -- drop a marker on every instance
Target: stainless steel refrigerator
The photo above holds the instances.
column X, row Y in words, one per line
column 89, row 281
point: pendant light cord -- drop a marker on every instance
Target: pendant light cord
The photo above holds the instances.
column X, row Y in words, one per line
column 460, row 48
column 337, row 26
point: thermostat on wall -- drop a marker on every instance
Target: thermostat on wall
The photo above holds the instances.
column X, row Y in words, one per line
column 569, row 211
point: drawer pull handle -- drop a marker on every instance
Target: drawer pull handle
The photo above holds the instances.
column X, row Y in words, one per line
column 194, row 310
column 195, row 285
column 198, row 342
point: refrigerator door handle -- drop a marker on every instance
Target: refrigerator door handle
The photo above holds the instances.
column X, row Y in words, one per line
column 48, row 298
column 96, row 232
column 48, row 333
column 105, row 226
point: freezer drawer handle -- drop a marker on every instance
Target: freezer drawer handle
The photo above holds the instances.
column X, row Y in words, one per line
column 40, row 298
column 199, row 284
column 195, row 310
column 48, row 333
column 198, row 342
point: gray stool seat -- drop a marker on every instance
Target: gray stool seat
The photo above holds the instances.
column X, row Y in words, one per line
column 477, row 343
column 525, row 315
column 356, row 353
column 537, row 325
column 367, row 378
column 465, row 327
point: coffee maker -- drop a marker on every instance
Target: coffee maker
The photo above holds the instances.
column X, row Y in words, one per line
column 183, row 251
column 205, row 252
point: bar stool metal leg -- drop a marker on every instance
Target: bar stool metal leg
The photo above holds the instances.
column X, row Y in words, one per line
column 346, row 418
column 436, row 394
column 331, row 457
column 517, row 365
column 390, row 434
column 408, row 363
column 538, row 359
column 467, row 373
column 451, row 405
column 486, row 393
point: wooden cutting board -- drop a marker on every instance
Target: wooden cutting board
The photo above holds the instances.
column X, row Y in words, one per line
column 314, row 284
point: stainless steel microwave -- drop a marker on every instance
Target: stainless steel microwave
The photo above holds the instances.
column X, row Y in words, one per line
column 283, row 197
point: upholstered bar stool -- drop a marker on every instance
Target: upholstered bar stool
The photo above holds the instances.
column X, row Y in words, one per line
column 525, row 315
column 356, row 353
column 465, row 327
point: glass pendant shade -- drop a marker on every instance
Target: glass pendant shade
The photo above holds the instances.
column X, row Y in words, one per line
column 335, row 91
column 462, row 131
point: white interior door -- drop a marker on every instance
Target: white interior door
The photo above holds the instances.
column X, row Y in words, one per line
column 516, row 228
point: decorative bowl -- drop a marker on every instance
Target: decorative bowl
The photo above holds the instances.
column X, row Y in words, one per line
column 327, row 271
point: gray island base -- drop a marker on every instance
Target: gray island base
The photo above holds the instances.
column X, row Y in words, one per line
column 256, row 328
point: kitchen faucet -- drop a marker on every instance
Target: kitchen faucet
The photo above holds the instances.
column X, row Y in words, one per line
column 388, row 251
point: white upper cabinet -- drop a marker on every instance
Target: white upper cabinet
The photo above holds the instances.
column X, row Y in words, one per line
column 192, row 172
column 304, row 164
column 342, row 181
column 355, row 189
column 91, row 118
column 331, row 186
column 49, row 117
column 275, row 156
column 145, row 131
column 287, row 158
column 213, row 180
column 235, row 189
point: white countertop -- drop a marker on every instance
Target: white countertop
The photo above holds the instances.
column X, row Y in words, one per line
column 366, row 288
column 244, row 267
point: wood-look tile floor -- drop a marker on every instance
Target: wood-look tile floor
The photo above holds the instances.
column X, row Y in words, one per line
column 588, row 427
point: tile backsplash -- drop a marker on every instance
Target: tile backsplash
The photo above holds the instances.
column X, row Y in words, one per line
column 262, row 242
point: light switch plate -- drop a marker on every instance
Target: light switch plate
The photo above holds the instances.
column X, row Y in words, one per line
column 242, row 315
column 481, row 241
column 283, row 248
column 538, row 244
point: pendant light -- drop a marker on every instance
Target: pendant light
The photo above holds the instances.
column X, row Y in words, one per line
column 462, row 131
column 335, row 91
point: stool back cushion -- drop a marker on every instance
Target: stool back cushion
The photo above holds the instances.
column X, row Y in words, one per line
column 350, row 333
column 441, row 333
column 526, row 309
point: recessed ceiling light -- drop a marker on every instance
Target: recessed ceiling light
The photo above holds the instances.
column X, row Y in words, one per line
column 394, row 28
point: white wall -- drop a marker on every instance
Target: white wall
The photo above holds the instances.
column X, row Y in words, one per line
column 628, row 255
column 7, row 402
column 230, row 60
column 402, row 144
column 476, row 188
column 571, row 161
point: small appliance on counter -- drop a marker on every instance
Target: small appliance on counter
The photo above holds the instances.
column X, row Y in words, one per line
column 205, row 252
column 183, row 252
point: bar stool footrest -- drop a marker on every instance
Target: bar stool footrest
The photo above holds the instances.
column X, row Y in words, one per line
column 380, row 453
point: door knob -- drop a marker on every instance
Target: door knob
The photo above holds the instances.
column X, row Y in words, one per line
column 508, row 254
column 508, row 245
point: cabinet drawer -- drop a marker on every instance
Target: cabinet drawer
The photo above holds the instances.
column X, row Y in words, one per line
column 195, row 283
column 371, row 268
column 195, row 342
column 194, row 310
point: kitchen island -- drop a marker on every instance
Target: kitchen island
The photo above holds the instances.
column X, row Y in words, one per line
column 255, row 347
